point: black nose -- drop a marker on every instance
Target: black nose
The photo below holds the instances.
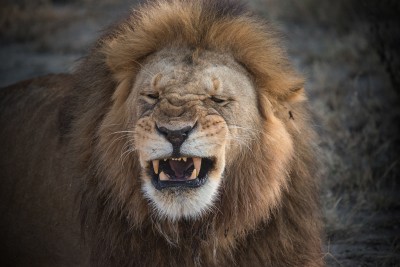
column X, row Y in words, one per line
column 175, row 137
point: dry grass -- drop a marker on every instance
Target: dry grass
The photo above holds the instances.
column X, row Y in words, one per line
column 350, row 62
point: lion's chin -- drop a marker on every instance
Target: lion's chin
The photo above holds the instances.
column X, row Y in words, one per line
column 174, row 203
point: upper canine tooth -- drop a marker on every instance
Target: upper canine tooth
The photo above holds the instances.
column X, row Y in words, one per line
column 163, row 176
column 184, row 159
column 156, row 163
column 197, row 164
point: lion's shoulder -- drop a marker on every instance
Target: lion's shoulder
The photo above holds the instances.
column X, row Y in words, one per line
column 35, row 88
column 32, row 102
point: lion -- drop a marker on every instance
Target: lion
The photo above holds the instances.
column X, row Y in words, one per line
column 183, row 138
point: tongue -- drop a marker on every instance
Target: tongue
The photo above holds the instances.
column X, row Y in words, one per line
column 179, row 168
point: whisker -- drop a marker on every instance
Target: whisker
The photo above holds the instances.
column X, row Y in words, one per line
column 124, row 154
column 112, row 143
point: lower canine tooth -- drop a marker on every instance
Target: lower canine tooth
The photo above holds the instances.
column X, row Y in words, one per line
column 163, row 176
column 194, row 174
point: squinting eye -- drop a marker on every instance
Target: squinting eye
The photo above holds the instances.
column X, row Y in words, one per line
column 218, row 100
column 154, row 96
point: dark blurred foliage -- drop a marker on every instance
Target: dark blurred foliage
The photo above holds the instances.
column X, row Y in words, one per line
column 378, row 18
column 27, row 20
column 383, row 20
column 384, row 32
column 32, row 3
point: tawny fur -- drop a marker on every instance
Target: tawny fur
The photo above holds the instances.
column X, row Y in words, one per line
column 62, row 165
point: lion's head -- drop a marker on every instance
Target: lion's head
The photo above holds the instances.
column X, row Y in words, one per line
column 195, row 114
column 194, row 102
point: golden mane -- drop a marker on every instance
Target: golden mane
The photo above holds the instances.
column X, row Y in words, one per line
column 222, row 26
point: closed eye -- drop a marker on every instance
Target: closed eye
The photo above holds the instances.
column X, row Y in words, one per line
column 153, row 96
column 219, row 100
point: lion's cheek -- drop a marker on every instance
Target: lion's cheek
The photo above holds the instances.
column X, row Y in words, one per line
column 148, row 143
column 219, row 166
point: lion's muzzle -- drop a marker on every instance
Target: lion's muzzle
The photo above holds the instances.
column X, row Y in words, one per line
column 178, row 170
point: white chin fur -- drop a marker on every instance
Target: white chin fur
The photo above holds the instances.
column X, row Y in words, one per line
column 188, row 203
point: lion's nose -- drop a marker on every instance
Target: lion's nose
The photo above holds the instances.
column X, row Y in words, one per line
column 175, row 137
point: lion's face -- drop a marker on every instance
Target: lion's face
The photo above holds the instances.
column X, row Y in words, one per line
column 194, row 114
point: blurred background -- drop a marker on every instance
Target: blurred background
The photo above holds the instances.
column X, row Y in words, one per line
column 349, row 52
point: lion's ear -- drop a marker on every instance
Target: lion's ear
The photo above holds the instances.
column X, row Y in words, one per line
column 284, row 86
column 108, row 46
column 122, row 71
column 269, row 103
column 289, row 87
column 117, row 64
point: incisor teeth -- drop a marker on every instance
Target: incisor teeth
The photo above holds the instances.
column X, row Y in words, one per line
column 178, row 159
column 194, row 174
column 197, row 164
column 163, row 176
column 156, row 163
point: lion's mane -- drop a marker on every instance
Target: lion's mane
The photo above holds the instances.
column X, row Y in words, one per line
column 267, row 211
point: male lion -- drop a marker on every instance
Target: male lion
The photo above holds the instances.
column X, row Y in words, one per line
column 183, row 139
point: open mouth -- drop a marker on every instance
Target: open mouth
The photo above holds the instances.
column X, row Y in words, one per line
column 180, row 172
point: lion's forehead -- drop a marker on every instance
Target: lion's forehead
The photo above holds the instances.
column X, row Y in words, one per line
column 209, row 75
column 195, row 83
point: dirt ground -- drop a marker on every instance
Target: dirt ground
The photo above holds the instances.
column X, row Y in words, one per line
column 348, row 54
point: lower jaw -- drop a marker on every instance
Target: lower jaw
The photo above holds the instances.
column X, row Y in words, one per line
column 195, row 183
